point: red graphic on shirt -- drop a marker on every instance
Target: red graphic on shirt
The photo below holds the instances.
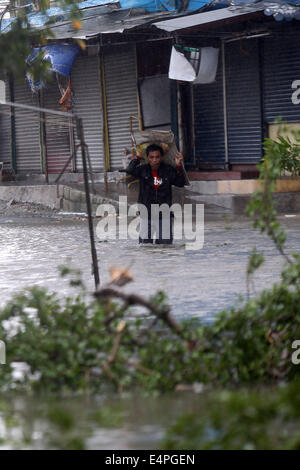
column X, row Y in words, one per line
column 157, row 180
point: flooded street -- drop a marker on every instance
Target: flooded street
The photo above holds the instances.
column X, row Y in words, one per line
column 198, row 283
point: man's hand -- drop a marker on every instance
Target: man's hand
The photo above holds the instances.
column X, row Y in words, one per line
column 179, row 159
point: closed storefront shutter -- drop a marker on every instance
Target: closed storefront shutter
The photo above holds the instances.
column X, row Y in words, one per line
column 87, row 98
column 281, row 69
column 5, row 129
column 121, row 99
column 244, row 112
column 57, row 131
column 28, row 154
column 155, row 96
column 209, row 122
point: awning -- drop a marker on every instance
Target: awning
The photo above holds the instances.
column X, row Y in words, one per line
column 207, row 17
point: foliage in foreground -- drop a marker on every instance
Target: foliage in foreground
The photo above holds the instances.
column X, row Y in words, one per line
column 77, row 345
column 266, row 419
column 261, row 418
column 269, row 418
column 286, row 150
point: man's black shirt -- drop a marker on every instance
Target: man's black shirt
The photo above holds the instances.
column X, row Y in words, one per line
column 148, row 194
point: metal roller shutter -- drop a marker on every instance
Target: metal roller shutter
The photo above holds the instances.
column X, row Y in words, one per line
column 5, row 130
column 87, row 89
column 28, row 154
column 209, row 121
column 243, row 93
column 121, row 99
column 281, row 68
column 57, row 131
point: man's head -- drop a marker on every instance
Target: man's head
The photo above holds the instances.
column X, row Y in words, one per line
column 154, row 155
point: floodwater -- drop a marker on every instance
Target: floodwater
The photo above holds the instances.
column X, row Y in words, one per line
column 131, row 421
column 198, row 283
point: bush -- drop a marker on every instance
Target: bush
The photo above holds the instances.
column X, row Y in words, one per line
column 78, row 344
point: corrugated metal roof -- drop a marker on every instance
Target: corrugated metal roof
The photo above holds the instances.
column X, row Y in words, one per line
column 117, row 22
column 38, row 19
column 101, row 7
column 115, row 16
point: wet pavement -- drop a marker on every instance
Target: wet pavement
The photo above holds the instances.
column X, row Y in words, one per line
column 198, row 283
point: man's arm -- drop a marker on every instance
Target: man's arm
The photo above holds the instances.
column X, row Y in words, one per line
column 178, row 176
column 134, row 168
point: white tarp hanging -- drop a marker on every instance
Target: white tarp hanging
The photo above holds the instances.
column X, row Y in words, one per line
column 182, row 69
column 208, row 65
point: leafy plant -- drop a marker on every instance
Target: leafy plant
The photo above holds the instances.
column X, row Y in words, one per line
column 287, row 151
column 77, row 344
column 261, row 206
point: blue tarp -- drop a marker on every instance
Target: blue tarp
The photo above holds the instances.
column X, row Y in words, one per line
column 61, row 56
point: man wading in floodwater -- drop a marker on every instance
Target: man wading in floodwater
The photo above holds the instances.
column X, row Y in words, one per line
column 156, row 179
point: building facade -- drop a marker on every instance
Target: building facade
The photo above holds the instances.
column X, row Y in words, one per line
column 121, row 84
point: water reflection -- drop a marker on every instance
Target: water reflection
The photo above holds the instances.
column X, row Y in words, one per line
column 126, row 422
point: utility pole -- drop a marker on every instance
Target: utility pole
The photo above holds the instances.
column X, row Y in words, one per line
column 83, row 147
